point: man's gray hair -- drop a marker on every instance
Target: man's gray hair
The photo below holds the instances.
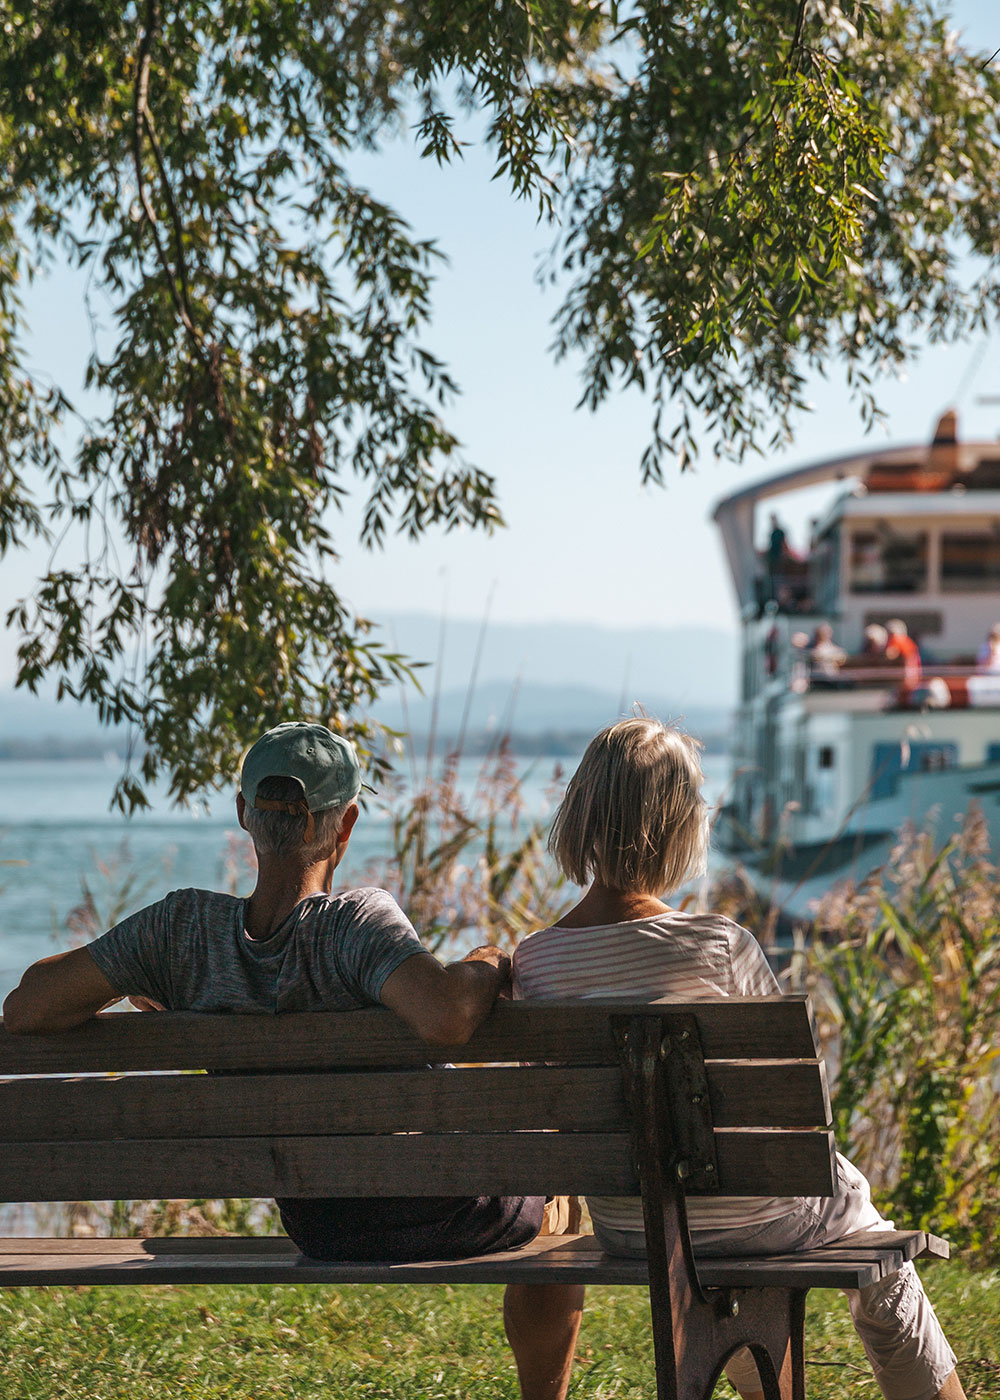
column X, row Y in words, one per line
column 280, row 833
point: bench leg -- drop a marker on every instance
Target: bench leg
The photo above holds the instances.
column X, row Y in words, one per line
column 694, row 1333
column 692, row 1345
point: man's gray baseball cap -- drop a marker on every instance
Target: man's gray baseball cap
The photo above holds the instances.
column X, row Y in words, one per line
column 323, row 763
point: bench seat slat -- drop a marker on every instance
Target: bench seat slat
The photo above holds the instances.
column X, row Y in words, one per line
column 579, row 1033
column 913, row 1243
column 743, row 1094
column 565, row 1259
column 750, row 1163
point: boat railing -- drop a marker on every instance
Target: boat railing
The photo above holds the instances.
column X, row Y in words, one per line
column 950, row 686
column 788, row 590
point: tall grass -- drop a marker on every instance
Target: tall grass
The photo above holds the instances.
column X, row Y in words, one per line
column 905, row 976
column 470, row 866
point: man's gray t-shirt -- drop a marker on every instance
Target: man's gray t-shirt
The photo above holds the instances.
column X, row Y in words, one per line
column 191, row 952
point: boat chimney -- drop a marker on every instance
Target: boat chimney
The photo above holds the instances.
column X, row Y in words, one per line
column 943, row 454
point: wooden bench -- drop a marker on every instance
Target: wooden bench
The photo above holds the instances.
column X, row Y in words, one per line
column 672, row 1099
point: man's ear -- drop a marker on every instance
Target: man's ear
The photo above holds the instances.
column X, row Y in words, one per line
column 347, row 823
column 241, row 810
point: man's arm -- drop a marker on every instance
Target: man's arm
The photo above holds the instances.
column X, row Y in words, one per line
column 444, row 1005
column 57, row 994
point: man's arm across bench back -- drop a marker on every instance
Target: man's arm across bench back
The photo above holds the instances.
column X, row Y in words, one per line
column 441, row 1003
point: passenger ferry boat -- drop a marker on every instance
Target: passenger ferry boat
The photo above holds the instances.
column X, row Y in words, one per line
column 830, row 760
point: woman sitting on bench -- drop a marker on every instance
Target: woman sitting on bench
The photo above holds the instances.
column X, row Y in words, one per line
column 634, row 824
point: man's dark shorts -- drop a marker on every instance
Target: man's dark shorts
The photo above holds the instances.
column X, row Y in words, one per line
column 407, row 1229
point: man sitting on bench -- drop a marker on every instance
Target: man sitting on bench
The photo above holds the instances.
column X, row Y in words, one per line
column 295, row 946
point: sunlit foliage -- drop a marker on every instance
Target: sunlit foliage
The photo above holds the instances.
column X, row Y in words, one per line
column 738, row 192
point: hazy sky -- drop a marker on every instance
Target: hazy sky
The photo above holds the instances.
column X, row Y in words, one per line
column 584, row 541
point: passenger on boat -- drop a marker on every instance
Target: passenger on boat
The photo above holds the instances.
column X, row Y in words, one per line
column 871, row 660
column 902, row 649
column 776, row 553
column 988, row 656
column 633, row 824
column 876, row 640
column 825, row 656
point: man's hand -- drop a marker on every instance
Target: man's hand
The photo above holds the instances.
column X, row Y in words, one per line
column 146, row 1004
column 444, row 1005
column 496, row 957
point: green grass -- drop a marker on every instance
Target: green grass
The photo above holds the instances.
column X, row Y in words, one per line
column 421, row 1343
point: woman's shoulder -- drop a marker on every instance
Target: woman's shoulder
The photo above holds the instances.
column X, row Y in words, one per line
column 741, row 941
column 686, row 947
column 709, row 922
column 555, row 944
column 544, row 938
column 670, row 923
column 702, row 918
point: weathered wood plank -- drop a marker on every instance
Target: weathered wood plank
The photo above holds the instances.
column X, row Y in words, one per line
column 554, row 1258
column 882, row 1252
column 750, row 1164
column 733, row 1029
column 908, row 1244
column 237, row 1266
column 270, row 1245
column 743, row 1094
column 917, row 1244
column 753, row 1163
column 446, row 1164
column 772, row 1094
column 856, row 1272
column 290, row 1105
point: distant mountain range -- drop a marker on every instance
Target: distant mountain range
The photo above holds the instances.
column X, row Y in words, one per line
column 687, row 667
column 550, row 684
column 527, row 709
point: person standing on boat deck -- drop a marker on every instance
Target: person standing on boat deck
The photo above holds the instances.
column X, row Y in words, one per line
column 633, row 823
column 988, row 656
column 777, row 549
column 901, row 648
column 294, row 945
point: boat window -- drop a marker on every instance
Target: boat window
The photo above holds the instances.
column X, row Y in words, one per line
column 888, row 561
column 826, row 756
column 970, row 561
column 889, row 760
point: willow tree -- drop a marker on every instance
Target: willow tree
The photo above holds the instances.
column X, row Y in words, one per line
column 738, row 192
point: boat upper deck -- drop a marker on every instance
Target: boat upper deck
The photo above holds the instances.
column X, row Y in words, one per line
column 914, row 536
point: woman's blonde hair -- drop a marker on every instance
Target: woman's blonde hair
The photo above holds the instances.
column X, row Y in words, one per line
column 633, row 817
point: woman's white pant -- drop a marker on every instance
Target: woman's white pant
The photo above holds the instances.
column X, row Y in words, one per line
column 896, row 1323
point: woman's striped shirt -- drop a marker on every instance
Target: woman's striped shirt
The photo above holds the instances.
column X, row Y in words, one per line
column 687, row 957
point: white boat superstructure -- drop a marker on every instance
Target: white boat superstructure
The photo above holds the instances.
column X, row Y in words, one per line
column 837, row 743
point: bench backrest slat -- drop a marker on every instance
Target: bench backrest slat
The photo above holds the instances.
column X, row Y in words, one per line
column 776, row 1163
column 771, row 1094
column 745, row 1094
column 735, row 1029
column 540, row 1106
column 289, row 1105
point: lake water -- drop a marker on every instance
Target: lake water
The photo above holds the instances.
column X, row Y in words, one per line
column 57, row 834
